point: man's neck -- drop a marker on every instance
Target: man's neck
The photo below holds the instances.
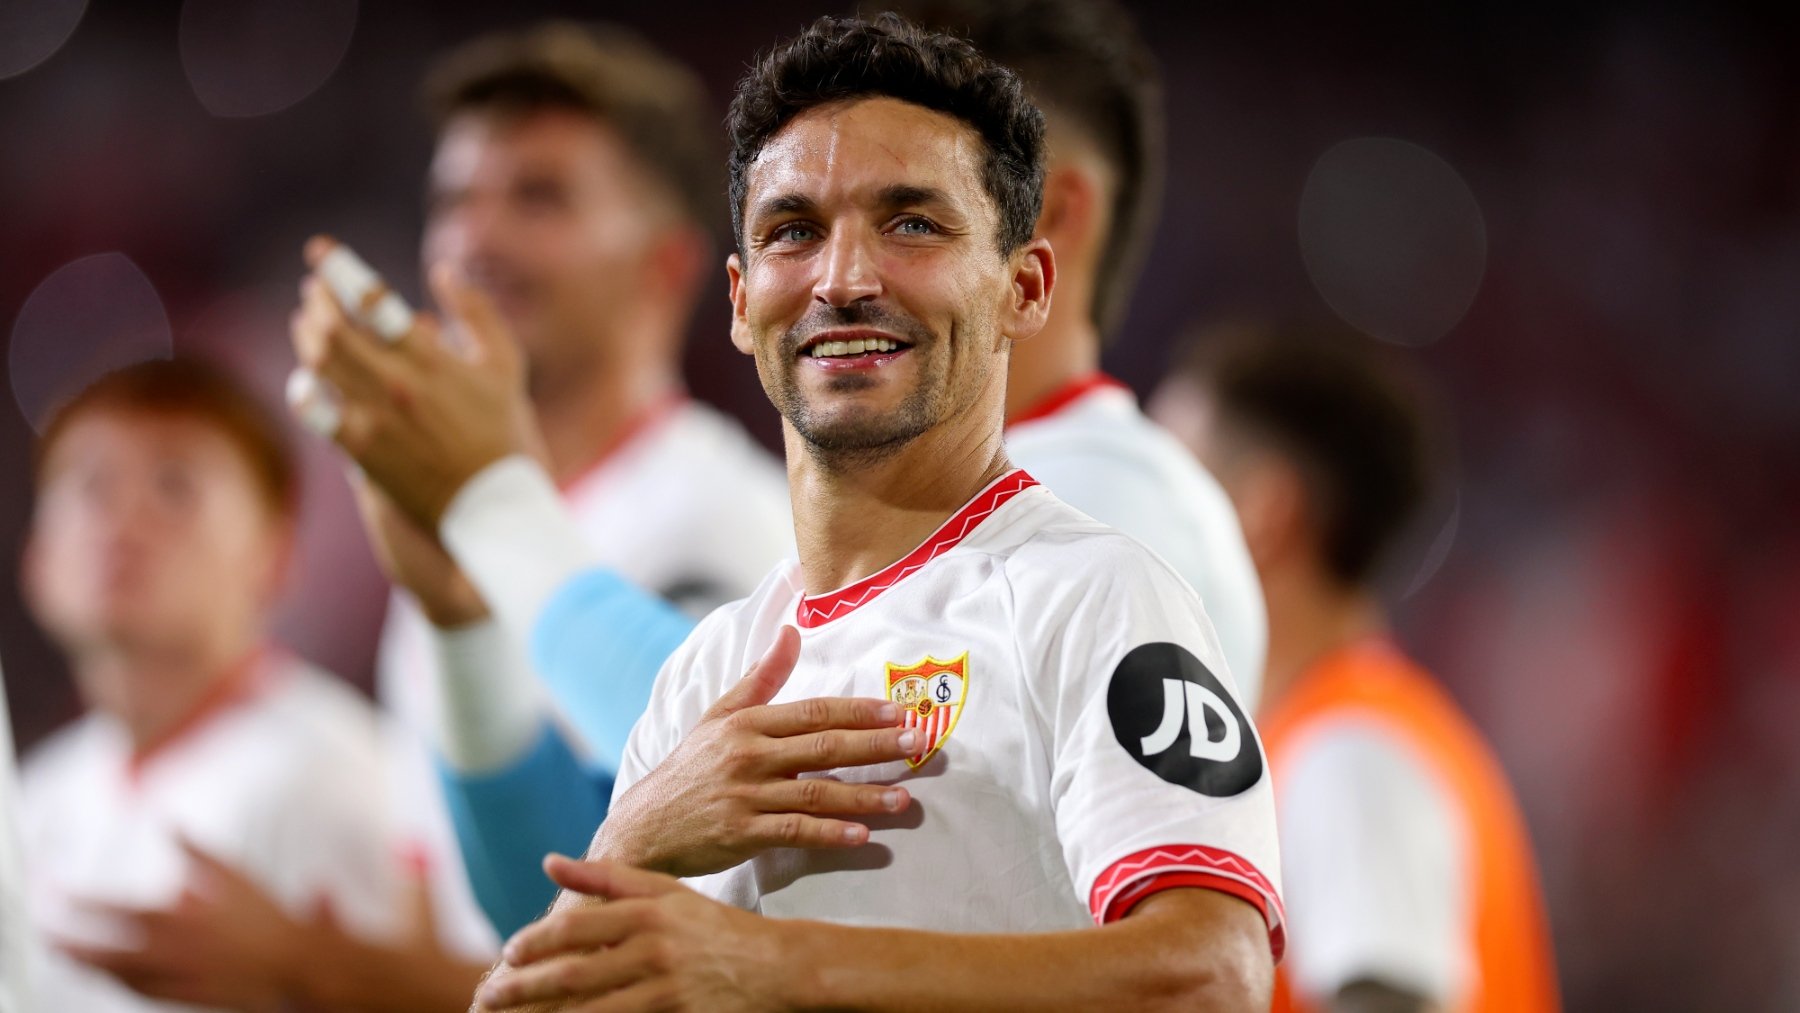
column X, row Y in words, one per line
column 582, row 421
column 1067, row 349
column 161, row 691
column 850, row 521
column 1310, row 616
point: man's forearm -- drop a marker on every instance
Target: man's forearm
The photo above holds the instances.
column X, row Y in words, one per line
column 1182, row 950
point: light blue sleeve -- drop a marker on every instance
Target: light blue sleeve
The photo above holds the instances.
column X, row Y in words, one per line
column 507, row 820
column 598, row 645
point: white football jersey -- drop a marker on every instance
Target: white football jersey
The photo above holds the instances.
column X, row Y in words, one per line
column 19, row 947
column 279, row 777
column 1084, row 746
column 1093, row 447
column 650, row 508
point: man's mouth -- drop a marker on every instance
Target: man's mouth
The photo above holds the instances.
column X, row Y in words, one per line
column 842, row 348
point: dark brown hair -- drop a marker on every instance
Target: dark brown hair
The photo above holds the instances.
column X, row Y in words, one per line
column 836, row 59
column 1345, row 410
column 1085, row 64
column 656, row 105
column 194, row 389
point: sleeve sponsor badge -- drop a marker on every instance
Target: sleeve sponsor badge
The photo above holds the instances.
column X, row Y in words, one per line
column 930, row 694
column 1178, row 721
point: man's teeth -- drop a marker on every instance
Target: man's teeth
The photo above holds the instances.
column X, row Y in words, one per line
column 825, row 349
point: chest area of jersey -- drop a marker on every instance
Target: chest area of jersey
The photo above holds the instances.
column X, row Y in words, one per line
column 958, row 687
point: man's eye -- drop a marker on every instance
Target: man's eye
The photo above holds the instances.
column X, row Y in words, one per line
column 795, row 233
column 915, row 227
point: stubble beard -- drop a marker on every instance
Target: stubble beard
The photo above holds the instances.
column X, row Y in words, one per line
column 856, row 439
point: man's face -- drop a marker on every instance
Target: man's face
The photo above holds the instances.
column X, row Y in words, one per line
column 548, row 212
column 151, row 533
column 871, row 288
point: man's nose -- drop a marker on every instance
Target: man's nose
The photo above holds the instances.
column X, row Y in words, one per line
column 848, row 273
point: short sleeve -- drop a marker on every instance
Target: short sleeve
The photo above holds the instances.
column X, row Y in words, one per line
column 1376, row 864
column 1158, row 776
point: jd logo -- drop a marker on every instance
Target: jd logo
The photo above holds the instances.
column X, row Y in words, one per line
column 1175, row 718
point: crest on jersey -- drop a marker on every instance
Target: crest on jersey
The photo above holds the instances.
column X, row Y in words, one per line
column 930, row 694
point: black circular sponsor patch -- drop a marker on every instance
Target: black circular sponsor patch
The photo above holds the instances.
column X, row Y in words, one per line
column 1176, row 719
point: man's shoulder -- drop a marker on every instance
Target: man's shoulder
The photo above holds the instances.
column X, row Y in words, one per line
column 1114, row 458
column 303, row 711
column 1052, row 543
column 734, row 623
column 61, row 755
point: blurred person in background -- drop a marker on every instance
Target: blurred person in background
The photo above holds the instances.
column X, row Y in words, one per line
column 576, row 185
column 1410, row 879
column 212, row 766
column 1077, row 430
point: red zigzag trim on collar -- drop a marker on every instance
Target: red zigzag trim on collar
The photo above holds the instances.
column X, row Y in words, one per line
column 824, row 608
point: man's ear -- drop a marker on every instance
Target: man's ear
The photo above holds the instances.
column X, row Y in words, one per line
column 1270, row 496
column 740, row 323
column 1071, row 204
column 1033, row 279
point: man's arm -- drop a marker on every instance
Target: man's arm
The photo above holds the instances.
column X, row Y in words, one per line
column 506, row 821
column 658, row 945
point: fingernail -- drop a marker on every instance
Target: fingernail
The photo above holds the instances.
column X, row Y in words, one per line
column 909, row 739
column 854, row 833
column 891, row 798
column 888, row 712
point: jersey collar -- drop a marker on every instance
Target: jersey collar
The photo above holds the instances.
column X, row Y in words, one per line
column 821, row 609
column 636, row 428
column 1066, row 395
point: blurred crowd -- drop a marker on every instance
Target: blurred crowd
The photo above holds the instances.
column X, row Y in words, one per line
column 1582, row 226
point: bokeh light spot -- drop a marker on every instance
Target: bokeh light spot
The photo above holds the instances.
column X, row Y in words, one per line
column 31, row 31
column 1392, row 238
column 89, row 317
column 256, row 57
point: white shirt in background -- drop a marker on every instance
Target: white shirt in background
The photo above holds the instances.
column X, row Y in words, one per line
column 1093, row 447
column 279, row 777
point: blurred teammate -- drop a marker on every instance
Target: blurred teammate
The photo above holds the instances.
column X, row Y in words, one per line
column 210, row 760
column 574, row 183
column 1079, row 431
column 1410, row 878
column 1022, row 715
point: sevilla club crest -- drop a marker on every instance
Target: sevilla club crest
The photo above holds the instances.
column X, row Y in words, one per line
column 930, row 695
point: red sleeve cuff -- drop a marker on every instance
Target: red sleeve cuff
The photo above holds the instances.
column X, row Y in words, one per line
column 1126, row 883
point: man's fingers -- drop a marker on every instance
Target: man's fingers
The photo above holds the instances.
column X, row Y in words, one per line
column 574, row 929
column 359, row 289
column 823, row 796
column 823, row 713
column 572, row 976
column 610, row 880
column 798, row 830
column 840, row 748
column 335, row 347
column 764, row 679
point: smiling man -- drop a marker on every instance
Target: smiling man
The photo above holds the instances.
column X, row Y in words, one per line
column 975, row 722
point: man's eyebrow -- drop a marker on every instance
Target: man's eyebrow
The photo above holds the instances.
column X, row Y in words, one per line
column 902, row 195
column 785, row 204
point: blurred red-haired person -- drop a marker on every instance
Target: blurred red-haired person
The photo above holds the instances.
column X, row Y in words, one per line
column 1409, row 877
column 210, row 762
